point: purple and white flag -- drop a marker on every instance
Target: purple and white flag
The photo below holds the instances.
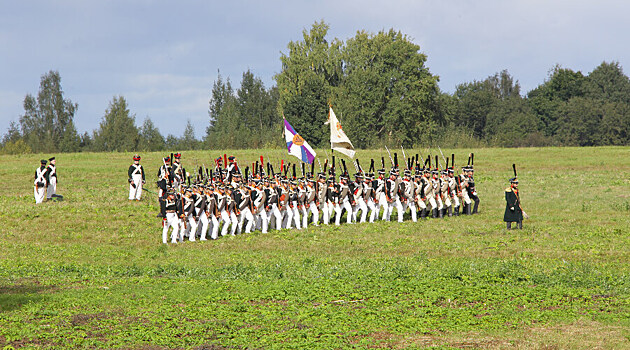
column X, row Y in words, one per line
column 296, row 145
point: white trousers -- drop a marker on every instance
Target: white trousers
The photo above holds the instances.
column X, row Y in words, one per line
column 215, row 227
column 246, row 214
column 171, row 221
column 40, row 194
column 225, row 218
column 52, row 187
column 373, row 209
column 338, row 208
column 274, row 212
column 312, row 208
column 134, row 193
column 455, row 199
column 390, row 209
column 262, row 221
column 362, row 207
column 432, row 202
column 411, row 205
column 293, row 216
column 326, row 213
column 203, row 219
column 382, row 204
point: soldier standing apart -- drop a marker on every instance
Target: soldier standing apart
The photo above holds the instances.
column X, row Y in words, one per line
column 41, row 181
column 513, row 210
column 136, row 179
column 52, row 176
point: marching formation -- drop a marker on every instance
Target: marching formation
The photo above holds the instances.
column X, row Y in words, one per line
column 229, row 200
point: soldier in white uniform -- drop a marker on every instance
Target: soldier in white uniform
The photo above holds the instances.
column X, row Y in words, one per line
column 41, row 181
column 171, row 211
column 358, row 198
column 51, row 191
column 409, row 191
column 136, row 179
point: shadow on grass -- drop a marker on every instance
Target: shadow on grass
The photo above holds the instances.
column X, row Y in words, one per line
column 14, row 296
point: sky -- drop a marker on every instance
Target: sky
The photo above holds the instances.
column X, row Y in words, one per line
column 164, row 56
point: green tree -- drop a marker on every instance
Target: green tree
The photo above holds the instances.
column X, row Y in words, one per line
column 188, row 140
column 608, row 82
column 387, row 92
column 311, row 69
column 150, row 138
column 222, row 93
column 48, row 119
column 117, row 130
column 546, row 99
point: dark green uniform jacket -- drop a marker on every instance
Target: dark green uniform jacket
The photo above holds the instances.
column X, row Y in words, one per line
column 513, row 212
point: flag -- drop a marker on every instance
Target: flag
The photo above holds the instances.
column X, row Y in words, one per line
column 296, row 145
column 338, row 139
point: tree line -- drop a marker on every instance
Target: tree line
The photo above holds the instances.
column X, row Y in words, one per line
column 382, row 91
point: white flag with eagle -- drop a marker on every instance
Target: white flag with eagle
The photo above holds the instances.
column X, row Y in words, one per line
column 338, row 139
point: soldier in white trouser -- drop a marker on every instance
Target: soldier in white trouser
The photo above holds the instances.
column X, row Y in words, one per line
column 259, row 199
column 272, row 205
column 232, row 210
column 409, row 190
column 419, row 194
column 359, row 202
column 391, row 190
column 368, row 196
column 51, row 191
column 245, row 209
column 343, row 201
column 211, row 211
column 293, row 213
column 170, row 218
column 41, row 181
column 311, row 201
column 379, row 191
column 136, row 179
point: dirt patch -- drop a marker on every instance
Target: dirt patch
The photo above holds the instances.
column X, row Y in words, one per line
column 82, row 319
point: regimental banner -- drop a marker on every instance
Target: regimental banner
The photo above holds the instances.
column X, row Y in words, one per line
column 296, row 145
column 338, row 139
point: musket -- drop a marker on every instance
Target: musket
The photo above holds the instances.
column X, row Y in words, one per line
column 442, row 155
column 320, row 165
column 390, row 156
column 517, row 195
column 404, row 155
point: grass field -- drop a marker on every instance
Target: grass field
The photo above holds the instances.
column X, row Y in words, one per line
column 91, row 271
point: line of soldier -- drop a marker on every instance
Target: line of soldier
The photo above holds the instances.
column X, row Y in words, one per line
column 45, row 184
column 222, row 198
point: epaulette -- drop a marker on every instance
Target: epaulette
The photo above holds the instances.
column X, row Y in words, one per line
column 509, row 189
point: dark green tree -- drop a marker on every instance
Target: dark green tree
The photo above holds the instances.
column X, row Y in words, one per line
column 48, row 119
column 117, row 130
column 150, row 138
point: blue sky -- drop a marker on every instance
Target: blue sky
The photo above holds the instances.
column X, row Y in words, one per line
column 163, row 56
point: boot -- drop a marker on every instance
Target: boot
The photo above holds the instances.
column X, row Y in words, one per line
column 468, row 208
column 464, row 211
column 434, row 213
column 456, row 212
column 474, row 211
column 450, row 211
column 423, row 213
column 509, row 225
column 441, row 213
column 520, row 225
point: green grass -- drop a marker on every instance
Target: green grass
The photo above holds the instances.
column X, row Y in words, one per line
column 91, row 272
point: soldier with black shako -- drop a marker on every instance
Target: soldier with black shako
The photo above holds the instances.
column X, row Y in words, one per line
column 41, row 181
column 51, row 190
column 513, row 211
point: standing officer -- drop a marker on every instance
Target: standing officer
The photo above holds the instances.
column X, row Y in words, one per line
column 136, row 179
column 513, row 210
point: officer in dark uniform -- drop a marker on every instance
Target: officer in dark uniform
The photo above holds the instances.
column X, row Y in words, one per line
column 513, row 210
